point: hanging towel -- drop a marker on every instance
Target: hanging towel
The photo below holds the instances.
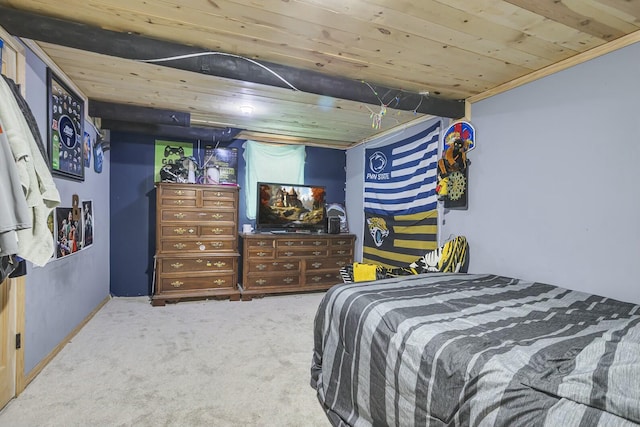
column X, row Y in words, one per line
column 282, row 164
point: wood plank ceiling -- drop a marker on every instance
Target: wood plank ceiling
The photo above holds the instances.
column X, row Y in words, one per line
column 423, row 51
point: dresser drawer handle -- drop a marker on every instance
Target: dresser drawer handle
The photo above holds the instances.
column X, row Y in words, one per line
column 179, row 246
column 220, row 264
column 261, row 267
column 317, row 243
column 191, row 231
column 342, row 252
column 316, row 278
column 220, row 282
column 217, row 230
column 288, row 253
column 179, row 215
column 341, row 263
column 177, row 284
column 177, row 265
column 179, row 192
column 317, row 264
column 217, row 216
column 199, row 261
column 287, row 280
column 179, row 202
column 289, row 266
column 219, row 203
column 217, row 244
column 288, row 243
column 218, row 194
column 261, row 243
column 341, row 242
column 261, row 281
column 316, row 253
column 261, row 254
column 179, row 230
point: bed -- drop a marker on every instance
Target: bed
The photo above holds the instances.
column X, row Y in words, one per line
column 446, row 349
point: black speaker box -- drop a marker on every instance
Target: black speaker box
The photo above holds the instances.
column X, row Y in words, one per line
column 334, row 225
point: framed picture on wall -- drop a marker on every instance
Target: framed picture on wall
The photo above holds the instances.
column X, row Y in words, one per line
column 67, row 241
column 87, row 223
column 65, row 128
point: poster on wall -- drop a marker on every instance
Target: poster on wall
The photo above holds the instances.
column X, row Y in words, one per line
column 67, row 232
column 65, row 127
column 98, row 156
column 87, row 223
column 87, row 149
column 52, row 230
column 168, row 153
column 224, row 161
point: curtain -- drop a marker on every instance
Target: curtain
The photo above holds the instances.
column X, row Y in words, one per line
column 270, row 163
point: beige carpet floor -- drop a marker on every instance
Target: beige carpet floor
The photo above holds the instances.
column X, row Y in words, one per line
column 201, row 363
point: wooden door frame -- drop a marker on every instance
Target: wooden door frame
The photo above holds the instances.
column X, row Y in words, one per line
column 19, row 290
column 14, row 52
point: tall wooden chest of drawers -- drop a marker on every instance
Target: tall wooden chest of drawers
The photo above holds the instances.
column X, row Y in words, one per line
column 196, row 242
column 292, row 262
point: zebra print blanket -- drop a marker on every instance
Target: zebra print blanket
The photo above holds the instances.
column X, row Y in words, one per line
column 459, row 349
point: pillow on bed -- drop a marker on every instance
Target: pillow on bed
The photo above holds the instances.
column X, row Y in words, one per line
column 364, row 272
column 429, row 262
column 361, row 272
column 448, row 258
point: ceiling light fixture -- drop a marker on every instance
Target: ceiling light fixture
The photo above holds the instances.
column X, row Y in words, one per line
column 246, row 109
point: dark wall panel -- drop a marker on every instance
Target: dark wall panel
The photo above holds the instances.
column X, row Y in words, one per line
column 133, row 203
column 327, row 167
column 132, row 214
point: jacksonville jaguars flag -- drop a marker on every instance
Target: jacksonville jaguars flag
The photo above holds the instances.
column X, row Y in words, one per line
column 400, row 200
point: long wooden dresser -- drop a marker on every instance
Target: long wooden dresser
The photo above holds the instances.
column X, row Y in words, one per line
column 293, row 262
column 196, row 242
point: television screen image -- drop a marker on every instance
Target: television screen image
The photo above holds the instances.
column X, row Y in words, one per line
column 290, row 207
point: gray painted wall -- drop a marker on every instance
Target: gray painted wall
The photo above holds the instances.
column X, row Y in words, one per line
column 60, row 295
column 554, row 180
column 553, row 185
column 354, row 196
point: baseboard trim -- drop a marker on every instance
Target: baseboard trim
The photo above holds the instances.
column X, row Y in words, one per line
column 44, row 362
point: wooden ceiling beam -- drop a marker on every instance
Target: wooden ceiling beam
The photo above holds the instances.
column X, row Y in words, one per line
column 134, row 113
column 168, row 131
column 136, row 47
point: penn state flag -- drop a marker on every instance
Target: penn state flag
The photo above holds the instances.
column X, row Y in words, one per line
column 400, row 199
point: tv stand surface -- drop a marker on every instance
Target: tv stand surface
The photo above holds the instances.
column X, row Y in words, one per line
column 293, row 262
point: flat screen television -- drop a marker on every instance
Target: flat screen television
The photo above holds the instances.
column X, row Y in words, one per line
column 290, row 207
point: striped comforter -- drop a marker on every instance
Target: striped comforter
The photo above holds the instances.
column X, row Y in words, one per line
column 460, row 349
